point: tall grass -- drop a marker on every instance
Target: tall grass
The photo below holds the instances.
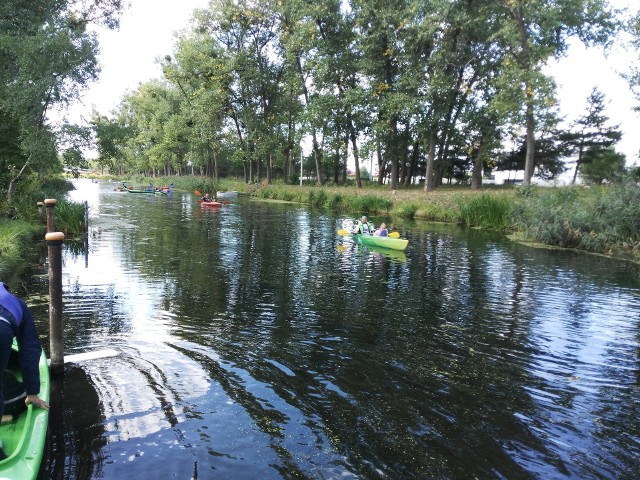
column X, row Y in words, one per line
column 602, row 220
column 16, row 238
column 486, row 211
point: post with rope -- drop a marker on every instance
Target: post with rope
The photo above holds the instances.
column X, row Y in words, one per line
column 50, row 203
column 54, row 242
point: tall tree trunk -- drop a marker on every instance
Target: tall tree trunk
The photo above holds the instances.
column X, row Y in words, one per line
column 415, row 154
column 525, row 63
column 354, row 149
column 429, row 180
column 531, row 142
column 393, row 148
column 476, row 174
column 268, row 167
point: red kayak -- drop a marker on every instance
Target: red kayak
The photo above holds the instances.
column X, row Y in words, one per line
column 211, row 204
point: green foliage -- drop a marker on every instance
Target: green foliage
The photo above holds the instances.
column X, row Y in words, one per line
column 603, row 165
column 69, row 218
column 16, row 238
column 406, row 210
column 487, row 211
column 603, row 220
column 47, row 55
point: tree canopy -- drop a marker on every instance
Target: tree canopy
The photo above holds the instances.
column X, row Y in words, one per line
column 47, row 54
column 428, row 90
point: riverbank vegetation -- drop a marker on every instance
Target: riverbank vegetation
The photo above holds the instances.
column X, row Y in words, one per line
column 600, row 219
column 419, row 107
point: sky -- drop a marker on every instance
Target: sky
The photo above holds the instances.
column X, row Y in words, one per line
column 147, row 32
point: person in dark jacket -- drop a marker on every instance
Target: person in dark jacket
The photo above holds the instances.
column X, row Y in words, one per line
column 16, row 321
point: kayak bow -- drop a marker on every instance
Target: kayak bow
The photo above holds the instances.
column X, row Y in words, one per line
column 24, row 438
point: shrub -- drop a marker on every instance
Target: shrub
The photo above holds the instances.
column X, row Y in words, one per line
column 486, row 211
column 406, row 210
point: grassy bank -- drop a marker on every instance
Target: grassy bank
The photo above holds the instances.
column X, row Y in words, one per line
column 16, row 240
column 22, row 228
column 604, row 220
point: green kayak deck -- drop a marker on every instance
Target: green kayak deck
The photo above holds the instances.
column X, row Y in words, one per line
column 385, row 242
column 24, row 438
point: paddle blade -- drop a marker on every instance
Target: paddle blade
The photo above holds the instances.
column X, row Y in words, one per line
column 394, row 234
column 343, row 232
column 197, row 192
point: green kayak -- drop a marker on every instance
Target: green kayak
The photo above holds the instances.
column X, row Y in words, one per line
column 24, row 438
column 385, row 242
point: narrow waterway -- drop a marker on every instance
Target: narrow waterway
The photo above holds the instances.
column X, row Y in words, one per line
column 256, row 343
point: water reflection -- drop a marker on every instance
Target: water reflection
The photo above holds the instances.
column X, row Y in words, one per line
column 256, row 343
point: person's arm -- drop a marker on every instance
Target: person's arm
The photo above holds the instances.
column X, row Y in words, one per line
column 29, row 351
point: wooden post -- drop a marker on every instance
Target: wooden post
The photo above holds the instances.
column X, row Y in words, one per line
column 56, row 342
column 86, row 217
column 40, row 210
column 51, row 219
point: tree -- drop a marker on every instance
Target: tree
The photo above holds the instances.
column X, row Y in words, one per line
column 593, row 132
column 46, row 55
column 602, row 164
column 536, row 30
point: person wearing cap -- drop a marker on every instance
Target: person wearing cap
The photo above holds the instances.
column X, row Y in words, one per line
column 16, row 321
column 364, row 227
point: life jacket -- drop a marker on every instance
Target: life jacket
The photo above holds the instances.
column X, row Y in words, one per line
column 11, row 303
column 365, row 227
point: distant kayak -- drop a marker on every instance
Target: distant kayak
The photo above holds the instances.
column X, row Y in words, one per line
column 385, row 242
column 211, row 204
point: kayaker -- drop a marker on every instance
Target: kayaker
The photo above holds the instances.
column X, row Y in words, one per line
column 382, row 231
column 206, row 198
column 16, row 321
column 363, row 226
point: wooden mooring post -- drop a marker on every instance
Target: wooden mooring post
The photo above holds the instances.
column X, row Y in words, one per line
column 56, row 328
column 56, row 341
column 50, row 203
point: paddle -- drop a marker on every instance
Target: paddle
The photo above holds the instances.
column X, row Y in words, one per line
column 344, row 233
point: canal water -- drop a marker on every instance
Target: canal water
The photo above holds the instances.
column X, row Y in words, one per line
column 256, row 343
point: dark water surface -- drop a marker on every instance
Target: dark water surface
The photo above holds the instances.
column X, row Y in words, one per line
column 255, row 343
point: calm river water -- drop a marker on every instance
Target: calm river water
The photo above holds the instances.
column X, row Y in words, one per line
column 255, row 343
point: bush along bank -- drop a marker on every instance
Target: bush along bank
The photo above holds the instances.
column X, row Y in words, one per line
column 603, row 220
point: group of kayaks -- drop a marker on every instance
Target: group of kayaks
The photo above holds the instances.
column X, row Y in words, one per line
column 164, row 190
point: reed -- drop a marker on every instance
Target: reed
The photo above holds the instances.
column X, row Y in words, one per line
column 16, row 238
column 487, row 212
column 602, row 220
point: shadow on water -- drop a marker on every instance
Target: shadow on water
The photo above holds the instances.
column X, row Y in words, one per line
column 76, row 431
column 256, row 343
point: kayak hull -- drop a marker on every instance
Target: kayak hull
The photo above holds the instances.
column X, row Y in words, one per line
column 211, row 204
column 24, row 438
column 384, row 242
